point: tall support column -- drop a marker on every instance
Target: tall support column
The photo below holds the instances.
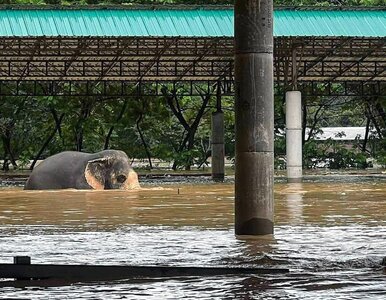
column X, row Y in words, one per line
column 293, row 120
column 254, row 117
column 218, row 163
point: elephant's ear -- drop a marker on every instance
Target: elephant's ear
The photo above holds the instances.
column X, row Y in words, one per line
column 95, row 173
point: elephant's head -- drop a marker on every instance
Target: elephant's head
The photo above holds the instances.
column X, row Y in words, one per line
column 111, row 170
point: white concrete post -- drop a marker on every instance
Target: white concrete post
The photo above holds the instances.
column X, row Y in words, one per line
column 294, row 136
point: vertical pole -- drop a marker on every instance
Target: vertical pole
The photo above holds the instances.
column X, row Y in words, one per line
column 293, row 120
column 254, row 117
column 218, row 164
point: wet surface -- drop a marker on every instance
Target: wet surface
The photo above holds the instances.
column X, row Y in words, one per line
column 332, row 236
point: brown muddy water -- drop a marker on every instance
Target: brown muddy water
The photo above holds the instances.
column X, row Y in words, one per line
column 331, row 235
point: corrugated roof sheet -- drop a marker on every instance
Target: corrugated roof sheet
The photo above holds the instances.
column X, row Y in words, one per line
column 184, row 22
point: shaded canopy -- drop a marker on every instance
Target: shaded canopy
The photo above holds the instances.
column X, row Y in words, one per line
column 53, row 48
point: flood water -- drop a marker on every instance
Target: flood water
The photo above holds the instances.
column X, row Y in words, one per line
column 331, row 235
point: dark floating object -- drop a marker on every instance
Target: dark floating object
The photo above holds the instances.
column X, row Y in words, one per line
column 383, row 263
column 26, row 273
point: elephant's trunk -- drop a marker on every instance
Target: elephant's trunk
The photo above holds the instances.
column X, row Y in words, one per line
column 132, row 182
column 109, row 186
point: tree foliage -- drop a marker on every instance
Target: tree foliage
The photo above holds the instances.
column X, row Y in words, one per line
column 174, row 128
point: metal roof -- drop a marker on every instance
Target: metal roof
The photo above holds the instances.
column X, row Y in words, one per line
column 183, row 22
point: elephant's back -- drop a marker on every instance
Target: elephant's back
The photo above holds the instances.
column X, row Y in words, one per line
column 66, row 161
column 58, row 171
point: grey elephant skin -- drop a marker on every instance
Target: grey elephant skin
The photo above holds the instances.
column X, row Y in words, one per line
column 109, row 169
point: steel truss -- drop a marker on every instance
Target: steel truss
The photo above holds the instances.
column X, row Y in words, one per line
column 122, row 59
column 330, row 59
column 113, row 88
column 58, row 65
column 11, row 88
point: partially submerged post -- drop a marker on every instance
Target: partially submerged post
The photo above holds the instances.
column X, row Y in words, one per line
column 218, row 170
column 254, row 117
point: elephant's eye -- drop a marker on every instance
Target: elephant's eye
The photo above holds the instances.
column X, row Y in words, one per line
column 121, row 178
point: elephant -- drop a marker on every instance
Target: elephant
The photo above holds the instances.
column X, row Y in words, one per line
column 108, row 169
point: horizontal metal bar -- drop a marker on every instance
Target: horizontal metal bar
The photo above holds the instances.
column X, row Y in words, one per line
column 113, row 272
column 184, row 87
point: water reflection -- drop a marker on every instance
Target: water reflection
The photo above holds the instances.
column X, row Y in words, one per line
column 294, row 200
column 331, row 236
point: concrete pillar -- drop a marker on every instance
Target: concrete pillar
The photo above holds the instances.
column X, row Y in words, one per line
column 218, row 146
column 293, row 121
column 254, row 117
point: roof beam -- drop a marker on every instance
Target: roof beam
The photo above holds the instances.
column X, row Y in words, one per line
column 380, row 45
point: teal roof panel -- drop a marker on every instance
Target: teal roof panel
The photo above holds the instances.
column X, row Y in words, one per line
column 184, row 22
